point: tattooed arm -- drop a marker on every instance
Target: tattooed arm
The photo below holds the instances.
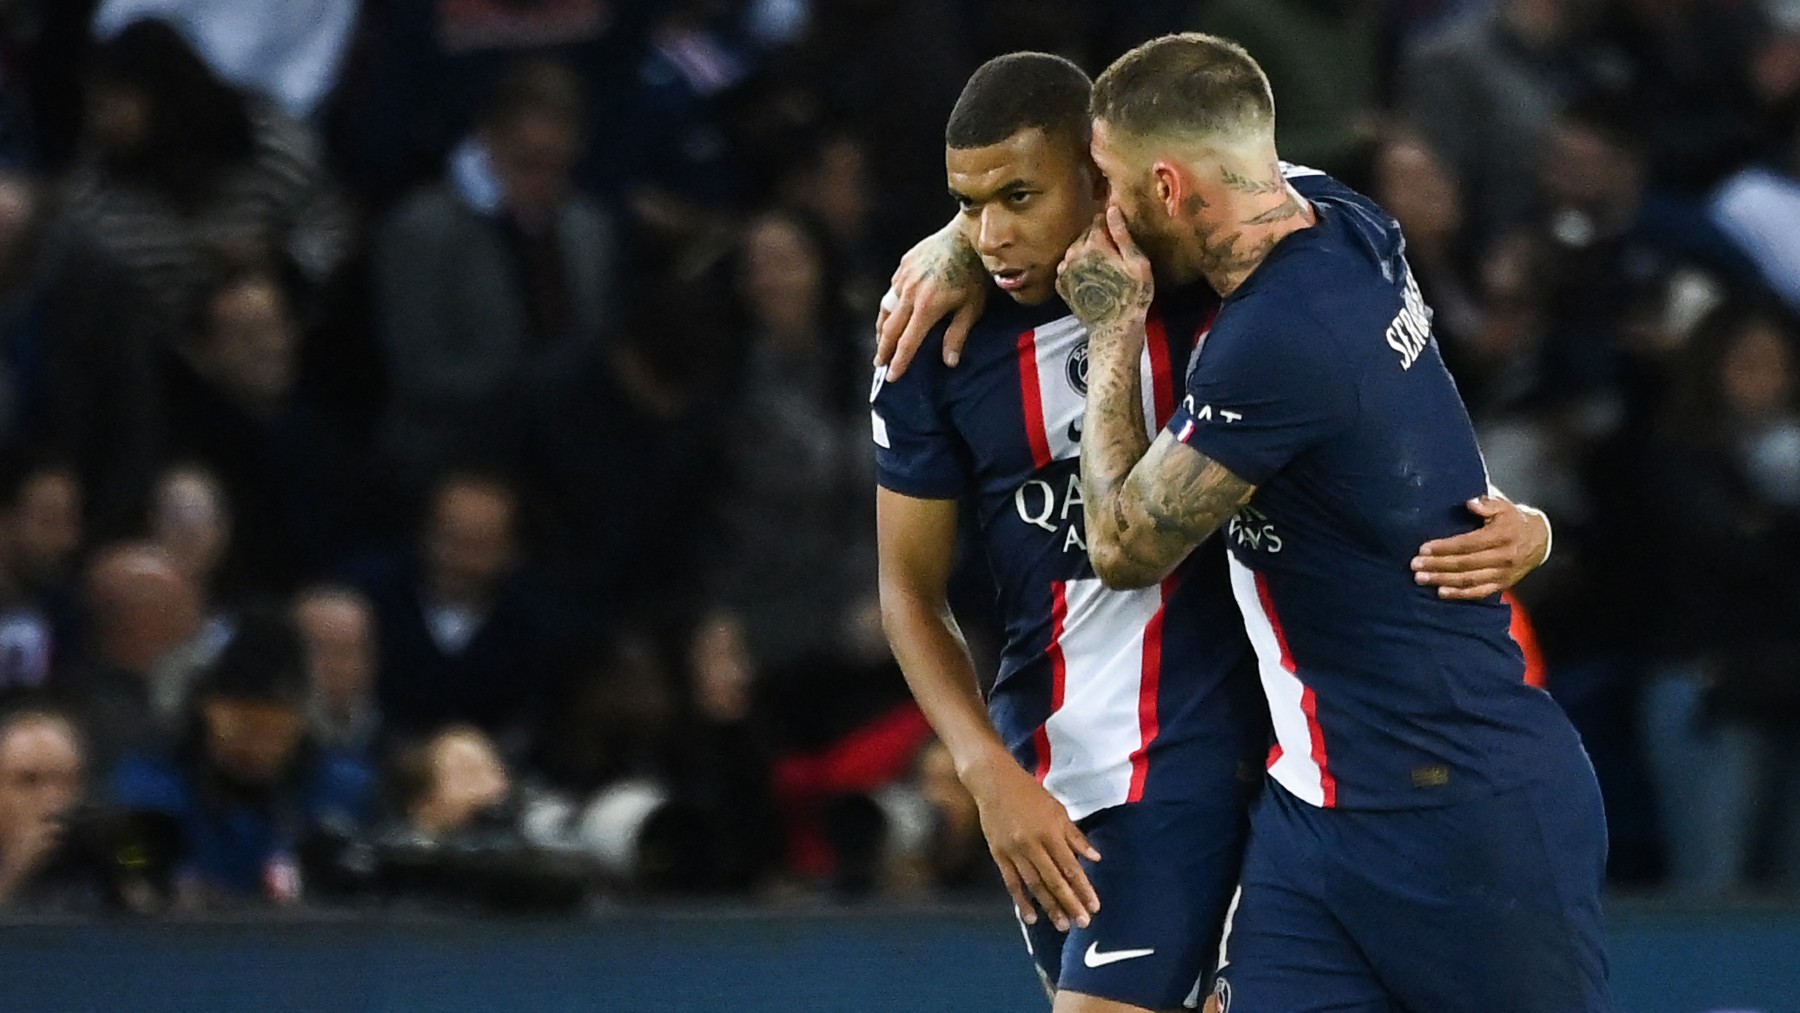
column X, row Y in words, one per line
column 1146, row 505
column 940, row 276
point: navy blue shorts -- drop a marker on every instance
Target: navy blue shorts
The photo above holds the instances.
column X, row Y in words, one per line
column 1166, row 875
column 1486, row 905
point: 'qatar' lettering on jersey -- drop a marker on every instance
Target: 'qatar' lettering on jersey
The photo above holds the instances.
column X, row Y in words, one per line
column 1041, row 505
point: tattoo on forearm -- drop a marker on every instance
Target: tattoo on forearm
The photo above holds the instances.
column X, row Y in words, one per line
column 1194, row 499
column 953, row 262
column 1181, row 499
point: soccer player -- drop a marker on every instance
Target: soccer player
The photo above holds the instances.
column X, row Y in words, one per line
column 1433, row 837
column 1121, row 722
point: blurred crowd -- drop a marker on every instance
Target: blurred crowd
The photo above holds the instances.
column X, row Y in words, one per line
column 433, row 465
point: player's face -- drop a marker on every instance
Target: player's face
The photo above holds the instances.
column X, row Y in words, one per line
column 1024, row 203
column 1130, row 181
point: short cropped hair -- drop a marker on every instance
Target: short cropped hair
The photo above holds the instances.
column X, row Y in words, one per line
column 1190, row 84
column 1020, row 91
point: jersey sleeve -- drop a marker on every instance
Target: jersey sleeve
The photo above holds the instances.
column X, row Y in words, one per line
column 917, row 453
column 1268, row 386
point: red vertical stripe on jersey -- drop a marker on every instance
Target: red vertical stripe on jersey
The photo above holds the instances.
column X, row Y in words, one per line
column 1309, row 703
column 1268, row 607
column 1327, row 783
column 1059, row 669
column 1033, row 396
column 1162, row 374
column 1149, row 690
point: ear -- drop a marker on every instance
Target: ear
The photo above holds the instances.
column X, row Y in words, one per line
column 1168, row 186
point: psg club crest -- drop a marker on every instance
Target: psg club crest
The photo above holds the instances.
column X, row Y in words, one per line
column 1078, row 362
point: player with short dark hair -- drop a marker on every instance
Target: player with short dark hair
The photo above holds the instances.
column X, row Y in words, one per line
column 1432, row 836
column 1109, row 760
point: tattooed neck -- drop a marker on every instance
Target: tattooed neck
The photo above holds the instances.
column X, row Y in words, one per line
column 1289, row 208
column 1230, row 252
column 1271, row 181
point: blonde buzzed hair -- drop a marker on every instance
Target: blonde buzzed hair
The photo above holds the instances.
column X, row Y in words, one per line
column 1191, row 85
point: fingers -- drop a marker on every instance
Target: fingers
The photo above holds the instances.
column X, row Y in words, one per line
column 1501, row 573
column 918, row 328
column 1067, row 861
column 1490, row 506
column 956, row 335
column 1479, row 540
column 1476, row 593
column 1431, row 569
column 1041, row 893
column 889, row 326
column 1121, row 234
column 1054, row 890
column 1079, row 842
column 1469, row 578
column 1021, row 900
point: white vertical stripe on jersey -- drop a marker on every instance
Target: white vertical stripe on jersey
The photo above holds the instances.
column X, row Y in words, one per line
column 1147, row 390
column 1096, row 730
column 1295, row 769
column 1056, row 343
column 1063, row 405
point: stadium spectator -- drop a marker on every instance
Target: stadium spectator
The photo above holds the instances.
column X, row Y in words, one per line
column 803, row 504
column 42, row 777
column 180, row 165
column 618, row 442
column 618, row 720
column 40, row 532
column 852, row 55
column 497, row 265
column 236, row 407
column 463, row 633
column 450, row 782
column 1688, row 67
column 1485, row 91
column 142, row 609
column 831, row 182
column 40, row 504
column 244, row 782
column 1723, row 707
column 680, row 176
column 723, row 767
column 1424, row 196
column 338, row 626
column 465, row 831
column 191, row 520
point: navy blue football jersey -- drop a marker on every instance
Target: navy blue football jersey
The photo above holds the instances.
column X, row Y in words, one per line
column 1321, row 384
column 1109, row 696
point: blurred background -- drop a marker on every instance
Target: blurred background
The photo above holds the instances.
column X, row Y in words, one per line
column 434, row 479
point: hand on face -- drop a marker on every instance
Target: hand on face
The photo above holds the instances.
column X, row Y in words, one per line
column 1105, row 278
